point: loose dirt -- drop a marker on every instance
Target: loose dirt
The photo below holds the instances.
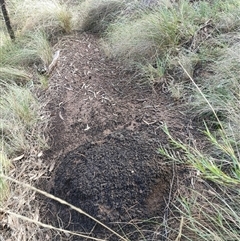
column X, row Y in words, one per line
column 105, row 132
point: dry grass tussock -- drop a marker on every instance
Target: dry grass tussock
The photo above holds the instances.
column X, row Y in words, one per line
column 221, row 88
column 150, row 34
column 95, row 16
column 25, row 54
column 22, row 142
column 20, row 113
column 18, row 75
column 164, row 34
column 50, row 16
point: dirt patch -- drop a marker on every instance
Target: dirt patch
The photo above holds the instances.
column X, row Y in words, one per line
column 118, row 181
column 105, row 132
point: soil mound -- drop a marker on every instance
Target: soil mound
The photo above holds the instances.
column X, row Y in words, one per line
column 117, row 181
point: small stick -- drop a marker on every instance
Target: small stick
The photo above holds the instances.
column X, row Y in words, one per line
column 53, row 63
column 7, row 20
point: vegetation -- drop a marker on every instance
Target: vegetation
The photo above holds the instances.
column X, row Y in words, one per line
column 193, row 47
column 97, row 15
column 50, row 16
column 20, row 110
column 22, row 117
column 213, row 212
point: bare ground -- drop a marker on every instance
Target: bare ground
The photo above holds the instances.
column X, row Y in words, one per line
column 104, row 135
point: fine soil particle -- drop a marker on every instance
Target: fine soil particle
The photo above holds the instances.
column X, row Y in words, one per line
column 105, row 132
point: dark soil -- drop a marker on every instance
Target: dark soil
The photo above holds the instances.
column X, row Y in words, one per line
column 120, row 180
column 105, row 132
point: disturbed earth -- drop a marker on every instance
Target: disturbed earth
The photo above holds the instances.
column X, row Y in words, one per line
column 106, row 128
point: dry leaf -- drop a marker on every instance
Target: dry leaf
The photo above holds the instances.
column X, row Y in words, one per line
column 52, row 166
column 18, row 158
column 87, row 128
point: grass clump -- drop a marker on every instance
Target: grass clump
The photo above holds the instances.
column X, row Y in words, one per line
column 221, row 85
column 18, row 117
column 154, row 33
column 211, row 213
column 48, row 16
column 26, row 50
column 97, row 15
column 183, row 31
column 11, row 74
column 16, row 54
column 22, row 58
column 221, row 166
column 21, row 137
